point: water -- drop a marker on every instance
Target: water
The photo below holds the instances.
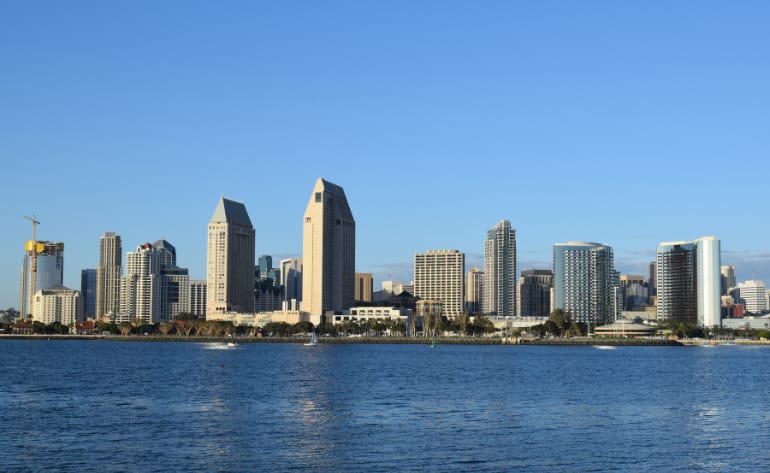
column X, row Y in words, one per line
column 73, row 406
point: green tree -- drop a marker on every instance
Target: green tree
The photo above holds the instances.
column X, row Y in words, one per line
column 125, row 328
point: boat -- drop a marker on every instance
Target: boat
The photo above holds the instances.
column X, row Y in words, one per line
column 313, row 340
column 232, row 344
column 605, row 347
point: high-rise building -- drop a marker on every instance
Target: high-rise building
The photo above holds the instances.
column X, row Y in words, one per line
column 229, row 260
column 48, row 272
column 752, row 294
column 198, row 298
column 634, row 290
column 438, row 276
column 291, row 279
column 689, row 282
column 584, row 282
column 652, row 284
column 364, row 287
column 535, row 291
column 57, row 304
column 727, row 277
column 88, row 292
column 500, row 271
column 474, row 290
column 108, row 274
column 265, row 263
column 140, row 287
column 329, row 251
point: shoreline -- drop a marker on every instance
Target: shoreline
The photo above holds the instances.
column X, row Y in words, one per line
column 364, row 340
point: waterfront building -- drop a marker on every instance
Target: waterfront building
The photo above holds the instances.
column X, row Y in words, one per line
column 229, row 260
column 57, row 304
column 329, row 251
column 752, row 295
column 689, row 282
column 364, row 287
column 88, row 292
column 108, row 274
column 291, row 279
column 438, row 276
column 499, row 296
column 198, row 298
column 535, row 286
column 42, row 268
column 584, row 282
column 474, row 290
column 727, row 277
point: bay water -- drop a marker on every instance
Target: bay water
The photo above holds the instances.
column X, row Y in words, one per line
column 74, row 406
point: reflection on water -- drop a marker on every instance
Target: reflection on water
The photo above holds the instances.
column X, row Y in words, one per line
column 109, row 406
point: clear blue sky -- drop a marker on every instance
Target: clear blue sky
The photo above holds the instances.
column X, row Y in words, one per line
column 626, row 123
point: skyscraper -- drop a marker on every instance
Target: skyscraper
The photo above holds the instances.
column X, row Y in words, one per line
column 48, row 271
column 291, row 279
column 584, row 282
column 535, row 290
column 500, row 271
column 474, row 290
column 728, row 278
column 689, row 281
column 438, row 276
column 88, row 292
column 752, row 294
column 108, row 274
column 230, row 260
column 329, row 251
column 139, row 287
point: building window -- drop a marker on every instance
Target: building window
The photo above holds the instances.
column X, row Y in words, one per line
column 318, row 197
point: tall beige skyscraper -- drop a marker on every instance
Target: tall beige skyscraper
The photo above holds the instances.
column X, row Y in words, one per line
column 329, row 251
column 108, row 274
column 230, row 260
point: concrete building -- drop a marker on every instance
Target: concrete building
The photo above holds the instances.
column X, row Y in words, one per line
column 329, row 251
column 535, row 286
column 584, row 282
column 57, row 304
column 364, row 287
column 229, row 260
column 198, row 298
column 88, row 292
column 689, row 282
column 108, row 274
column 474, row 290
column 752, row 295
column 438, row 276
column 291, row 279
column 48, row 271
column 499, row 296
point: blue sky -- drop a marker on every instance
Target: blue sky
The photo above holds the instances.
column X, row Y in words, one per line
column 626, row 123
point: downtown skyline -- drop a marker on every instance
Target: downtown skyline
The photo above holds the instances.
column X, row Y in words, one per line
column 626, row 125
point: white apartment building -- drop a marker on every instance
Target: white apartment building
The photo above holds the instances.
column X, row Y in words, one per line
column 57, row 304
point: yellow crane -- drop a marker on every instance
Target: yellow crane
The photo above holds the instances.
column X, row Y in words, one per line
column 32, row 248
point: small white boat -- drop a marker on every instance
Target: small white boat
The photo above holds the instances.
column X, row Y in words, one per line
column 604, row 347
column 232, row 344
column 313, row 341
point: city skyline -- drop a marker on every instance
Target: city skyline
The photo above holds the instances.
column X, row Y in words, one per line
column 636, row 110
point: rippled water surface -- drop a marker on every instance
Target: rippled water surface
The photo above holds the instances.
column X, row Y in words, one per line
column 76, row 406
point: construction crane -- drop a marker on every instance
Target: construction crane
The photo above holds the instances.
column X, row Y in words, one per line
column 32, row 248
